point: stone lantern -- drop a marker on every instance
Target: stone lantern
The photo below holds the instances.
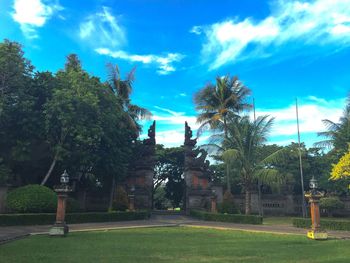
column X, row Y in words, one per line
column 213, row 208
column 60, row 228
column 132, row 198
column 314, row 200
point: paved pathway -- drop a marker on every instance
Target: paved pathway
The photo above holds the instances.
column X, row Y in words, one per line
column 15, row 232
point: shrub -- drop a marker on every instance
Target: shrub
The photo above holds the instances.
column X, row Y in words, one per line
column 330, row 204
column 325, row 224
column 73, row 205
column 228, row 206
column 121, row 202
column 243, row 219
column 48, row 219
column 32, row 199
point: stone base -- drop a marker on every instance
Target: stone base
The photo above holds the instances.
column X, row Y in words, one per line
column 59, row 230
column 317, row 235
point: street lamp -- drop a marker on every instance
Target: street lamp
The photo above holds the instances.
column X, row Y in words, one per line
column 64, row 178
column 314, row 200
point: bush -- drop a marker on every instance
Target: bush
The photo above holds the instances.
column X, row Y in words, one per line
column 330, row 204
column 325, row 224
column 243, row 219
column 73, row 218
column 73, row 205
column 121, row 202
column 228, row 206
column 32, row 199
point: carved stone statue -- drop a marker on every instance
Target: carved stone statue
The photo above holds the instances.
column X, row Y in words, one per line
column 151, row 134
column 188, row 136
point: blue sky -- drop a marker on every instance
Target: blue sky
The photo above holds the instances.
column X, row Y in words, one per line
column 280, row 49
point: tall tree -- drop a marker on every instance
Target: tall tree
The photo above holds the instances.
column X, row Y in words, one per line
column 244, row 140
column 337, row 134
column 71, row 116
column 123, row 89
column 216, row 102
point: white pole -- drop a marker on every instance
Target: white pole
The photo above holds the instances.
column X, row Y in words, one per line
column 303, row 206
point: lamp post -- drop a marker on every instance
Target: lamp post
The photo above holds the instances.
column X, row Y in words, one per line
column 60, row 228
column 314, row 200
column 213, row 201
column 132, row 198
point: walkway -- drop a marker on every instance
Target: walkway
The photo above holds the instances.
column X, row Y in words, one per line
column 16, row 232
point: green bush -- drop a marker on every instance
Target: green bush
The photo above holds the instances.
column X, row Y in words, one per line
column 325, row 224
column 228, row 206
column 243, row 219
column 121, row 202
column 330, row 204
column 32, row 199
column 73, row 218
column 73, row 205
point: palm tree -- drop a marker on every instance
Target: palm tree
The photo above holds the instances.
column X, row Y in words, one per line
column 244, row 141
column 123, row 90
column 337, row 134
column 133, row 113
column 216, row 103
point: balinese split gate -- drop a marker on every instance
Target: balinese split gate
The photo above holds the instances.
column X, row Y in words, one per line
column 198, row 190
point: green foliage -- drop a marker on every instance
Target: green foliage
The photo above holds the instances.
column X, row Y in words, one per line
column 330, row 204
column 121, row 202
column 325, row 224
column 168, row 171
column 242, row 219
column 72, row 205
column 32, row 199
column 73, row 218
column 228, row 206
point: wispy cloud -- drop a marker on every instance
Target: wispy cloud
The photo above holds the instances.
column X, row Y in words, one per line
column 318, row 22
column 102, row 28
column 32, row 14
column 312, row 111
column 165, row 64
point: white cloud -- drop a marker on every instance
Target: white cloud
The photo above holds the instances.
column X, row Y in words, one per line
column 164, row 63
column 312, row 111
column 103, row 29
column 317, row 22
column 32, row 14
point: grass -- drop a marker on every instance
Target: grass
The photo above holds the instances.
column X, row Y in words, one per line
column 285, row 220
column 174, row 244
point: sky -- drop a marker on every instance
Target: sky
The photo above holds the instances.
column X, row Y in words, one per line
column 281, row 50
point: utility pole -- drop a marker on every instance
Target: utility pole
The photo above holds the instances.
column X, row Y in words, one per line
column 303, row 205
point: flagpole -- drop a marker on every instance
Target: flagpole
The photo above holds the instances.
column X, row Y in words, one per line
column 303, row 206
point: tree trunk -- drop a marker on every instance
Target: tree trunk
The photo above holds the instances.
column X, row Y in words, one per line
column 228, row 181
column 111, row 196
column 52, row 166
column 261, row 209
column 247, row 202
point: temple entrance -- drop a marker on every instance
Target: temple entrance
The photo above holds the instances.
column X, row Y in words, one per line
column 177, row 178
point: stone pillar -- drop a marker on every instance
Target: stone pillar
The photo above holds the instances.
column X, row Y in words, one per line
column 132, row 202
column 314, row 201
column 60, row 228
column 213, row 205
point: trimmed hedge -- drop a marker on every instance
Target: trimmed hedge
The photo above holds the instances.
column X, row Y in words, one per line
column 325, row 224
column 32, row 198
column 232, row 218
column 74, row 218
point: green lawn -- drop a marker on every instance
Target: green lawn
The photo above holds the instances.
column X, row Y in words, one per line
column 174, row 244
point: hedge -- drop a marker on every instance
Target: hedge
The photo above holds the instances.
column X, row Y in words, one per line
column 325, row 224
column 73, row 218
column 233, row 218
